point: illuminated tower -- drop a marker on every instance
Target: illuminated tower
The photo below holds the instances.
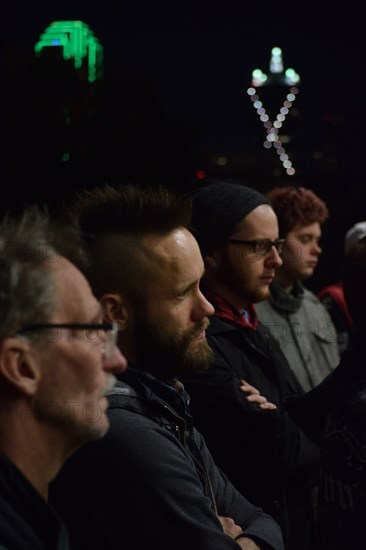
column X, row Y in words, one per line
column 273, row 98
column 78, row 44
column 67, row 99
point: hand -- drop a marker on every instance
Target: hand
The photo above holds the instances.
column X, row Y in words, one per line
column 229, row 526
column 247, row 544
column 255, row 397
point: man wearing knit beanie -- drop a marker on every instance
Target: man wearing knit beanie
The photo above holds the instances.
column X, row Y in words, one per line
column 238, row 403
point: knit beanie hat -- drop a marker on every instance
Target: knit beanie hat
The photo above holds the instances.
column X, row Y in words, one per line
column 216, row 210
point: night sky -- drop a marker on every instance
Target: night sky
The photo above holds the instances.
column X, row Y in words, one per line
column 198, row 56
column 201, row 54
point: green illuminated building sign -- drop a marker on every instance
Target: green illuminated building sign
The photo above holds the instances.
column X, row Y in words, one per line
column 77, row 41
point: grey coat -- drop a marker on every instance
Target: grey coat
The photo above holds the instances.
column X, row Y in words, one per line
column 304, row 331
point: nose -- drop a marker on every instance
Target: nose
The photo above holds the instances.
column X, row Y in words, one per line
column 273, row 258
column 316, row 249
column 203, row 307
column 116, row 363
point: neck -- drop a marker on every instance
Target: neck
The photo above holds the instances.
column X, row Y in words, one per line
column 36, row 453
column 286, row 282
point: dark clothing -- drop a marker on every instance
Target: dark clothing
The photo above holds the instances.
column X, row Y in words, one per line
column 27, row 522
column 151, row 482
column 263, row 452
column 333, row 300
column 333, row 414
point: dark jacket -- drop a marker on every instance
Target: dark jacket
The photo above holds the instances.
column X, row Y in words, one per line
column 27, row 522
column 264, row 453
column 333, row 414
column 151, row 482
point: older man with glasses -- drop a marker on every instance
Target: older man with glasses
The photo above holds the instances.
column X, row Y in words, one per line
column 56, row 363
column 238, row 402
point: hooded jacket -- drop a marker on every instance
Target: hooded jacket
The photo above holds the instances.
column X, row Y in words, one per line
column 151, row 481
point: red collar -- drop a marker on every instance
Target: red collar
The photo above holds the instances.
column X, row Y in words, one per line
column 225, row 311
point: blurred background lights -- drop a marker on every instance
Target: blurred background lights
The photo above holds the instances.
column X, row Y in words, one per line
column 287, row 77
column 78, row 43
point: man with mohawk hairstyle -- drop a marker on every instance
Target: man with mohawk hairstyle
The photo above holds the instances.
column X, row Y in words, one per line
column 152, row 482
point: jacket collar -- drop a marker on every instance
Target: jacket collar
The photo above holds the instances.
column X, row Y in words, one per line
column 285, row 301
column 246, row 318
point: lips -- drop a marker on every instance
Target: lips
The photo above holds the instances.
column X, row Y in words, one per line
column 200, row 332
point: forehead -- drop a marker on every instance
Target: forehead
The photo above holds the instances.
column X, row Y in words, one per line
column 312, row 229
column 174, row 258
column 75, row 300
column 260, row 223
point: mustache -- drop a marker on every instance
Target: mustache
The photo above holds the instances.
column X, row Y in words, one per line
column 111, row 382
column 203, row 326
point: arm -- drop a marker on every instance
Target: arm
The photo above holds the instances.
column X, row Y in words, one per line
column 254, row 523
column 136, row 485
column 236, row 533
column 239, row 430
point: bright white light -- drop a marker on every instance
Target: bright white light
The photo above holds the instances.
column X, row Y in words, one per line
column 281, row 117
column 284, row 110
column 258, row 104
column 277, row 124
column 290, row 97
column 264, row 118
column 257, row 73
column 276, row 51
column 287, row 163
column 251, row 91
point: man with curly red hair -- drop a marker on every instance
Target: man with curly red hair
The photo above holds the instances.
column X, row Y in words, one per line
column 292, row 313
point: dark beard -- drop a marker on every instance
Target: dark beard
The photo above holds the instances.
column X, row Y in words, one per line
column 165, row 355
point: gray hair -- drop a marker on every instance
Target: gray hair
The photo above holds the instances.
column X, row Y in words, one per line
column 27, row 287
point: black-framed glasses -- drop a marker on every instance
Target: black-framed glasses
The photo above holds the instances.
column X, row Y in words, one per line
column 92, row 333
column 261, row 247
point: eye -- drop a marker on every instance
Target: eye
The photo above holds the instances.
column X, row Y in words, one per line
column 183, row 293
column 93, row 335
column 305, row 239
column 263, row 247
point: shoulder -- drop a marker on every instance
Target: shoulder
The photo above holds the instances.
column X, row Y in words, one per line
column 311, row 300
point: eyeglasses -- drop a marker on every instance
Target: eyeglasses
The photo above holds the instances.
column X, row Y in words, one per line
column 92, row 333
column 261, row 247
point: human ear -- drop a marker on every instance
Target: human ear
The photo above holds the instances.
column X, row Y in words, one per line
column 115, row 310
column 18, row 367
